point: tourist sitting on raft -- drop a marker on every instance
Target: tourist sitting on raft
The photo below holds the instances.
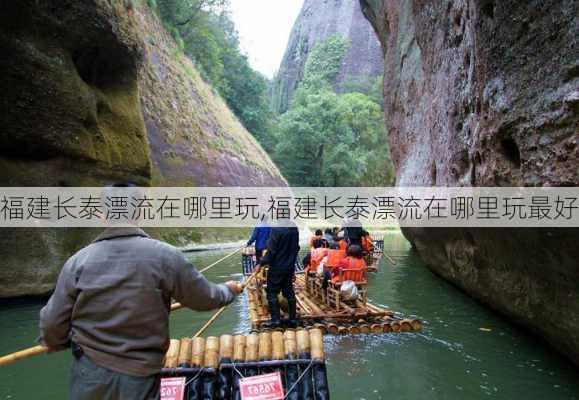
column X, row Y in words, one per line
column 318, row 251
column 332, row 260
column 318, row 235
column 353, row 262
column 329, row 237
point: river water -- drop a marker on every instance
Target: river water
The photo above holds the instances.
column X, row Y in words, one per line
column 465, row 351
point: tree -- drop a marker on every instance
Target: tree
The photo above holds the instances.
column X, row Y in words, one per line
column 210, row 39
column 328, row 139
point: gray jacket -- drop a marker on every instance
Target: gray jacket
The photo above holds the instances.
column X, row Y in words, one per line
column 113, row 299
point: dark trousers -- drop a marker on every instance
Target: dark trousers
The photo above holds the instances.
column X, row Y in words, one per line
column 280, row 281
column 356, row 241
column 89, row 381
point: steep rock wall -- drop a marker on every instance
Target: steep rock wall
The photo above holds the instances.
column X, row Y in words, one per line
column 93, row 92
column 318, row 20
column 486, row 93
column 195, row 139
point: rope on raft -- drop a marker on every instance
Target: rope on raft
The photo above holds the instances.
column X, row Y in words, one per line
column 39, row 349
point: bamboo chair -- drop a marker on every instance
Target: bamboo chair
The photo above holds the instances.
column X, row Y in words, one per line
column 358, row 276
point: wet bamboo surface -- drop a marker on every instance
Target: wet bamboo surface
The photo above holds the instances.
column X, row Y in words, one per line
column 253, row 348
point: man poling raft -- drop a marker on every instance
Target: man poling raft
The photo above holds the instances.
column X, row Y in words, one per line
column 282, row 252
column 215, row 367
column 111, row 307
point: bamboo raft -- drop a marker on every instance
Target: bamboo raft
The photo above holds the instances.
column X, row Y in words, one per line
column 355, row 317
column 213, row 366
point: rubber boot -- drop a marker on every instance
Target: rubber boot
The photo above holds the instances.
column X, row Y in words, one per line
column 274, row 311
column 292, row 322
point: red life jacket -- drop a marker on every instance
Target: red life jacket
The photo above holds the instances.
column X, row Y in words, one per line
column 335, row 257
column 352, row 270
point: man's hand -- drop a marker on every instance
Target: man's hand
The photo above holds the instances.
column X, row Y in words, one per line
column 234, row 286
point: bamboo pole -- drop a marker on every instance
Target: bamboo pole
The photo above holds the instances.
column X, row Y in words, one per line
column 342, row 330
column 23, row 354
column 303, row 343
column 354, row 330
column 239, row 348
column 364, row 328
column 277, row 352
column 198, row 352
column 211, row 352
column 386, row 327
column 226, row 347
column 210, row 321
column 405, row 325
column 317, row 344
column 265, row 346
column 416, row 324
column 321, row 327
column 290, row 344
column 172, row 356
column 184, row 359
column 332, row 329
column 252, row 347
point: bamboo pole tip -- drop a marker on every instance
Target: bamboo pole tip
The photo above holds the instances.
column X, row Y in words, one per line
column 184, row 351
column 172, row 355
column 416, row 324
column 226, row 346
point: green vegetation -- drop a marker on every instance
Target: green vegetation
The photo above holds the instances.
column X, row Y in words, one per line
column 325, row 138
column 206, row 34
column 331, row 139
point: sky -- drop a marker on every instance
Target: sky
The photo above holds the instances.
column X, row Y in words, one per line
column 264, row 27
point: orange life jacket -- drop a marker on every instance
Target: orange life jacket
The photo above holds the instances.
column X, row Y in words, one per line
column 317, row 257
column 351, row 268
column 334, row 257
column 367, row 243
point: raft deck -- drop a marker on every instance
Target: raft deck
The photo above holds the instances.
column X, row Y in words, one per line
column 354, row 317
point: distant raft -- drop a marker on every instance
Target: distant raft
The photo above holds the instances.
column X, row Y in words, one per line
column 354, row 317
column 213, row 366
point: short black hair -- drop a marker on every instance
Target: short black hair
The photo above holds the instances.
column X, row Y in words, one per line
column 328, row 231
column 355, row 251
column 318, row 232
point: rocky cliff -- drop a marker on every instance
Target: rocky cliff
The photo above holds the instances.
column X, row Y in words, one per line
column 486, row 93
column 96, row 91
column 318, row 20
